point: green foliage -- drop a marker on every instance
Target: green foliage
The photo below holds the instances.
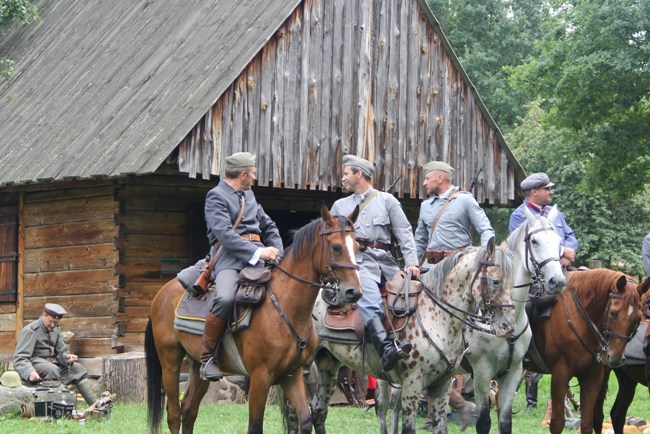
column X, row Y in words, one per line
column 591, row 67
column 11, row 11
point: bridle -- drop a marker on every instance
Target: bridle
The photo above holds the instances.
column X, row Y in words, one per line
column 537, row 275
column 601, row 338
column 329, row 282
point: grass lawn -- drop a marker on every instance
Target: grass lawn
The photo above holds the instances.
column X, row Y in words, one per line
column 228, row 419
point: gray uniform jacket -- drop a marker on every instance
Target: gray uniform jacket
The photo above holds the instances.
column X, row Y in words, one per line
column 35, row 340
column 222, row 205
column 645, row 251
column 453, row 229
column 378, row 218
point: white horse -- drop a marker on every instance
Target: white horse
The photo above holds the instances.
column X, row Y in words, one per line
column 477, row 276
column 537, row 249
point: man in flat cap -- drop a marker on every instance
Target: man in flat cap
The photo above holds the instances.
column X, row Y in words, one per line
column 538, row 189
column 254, row 238
column 444, row 228
column 380, row 214
column 42, row 355
column 446, row 218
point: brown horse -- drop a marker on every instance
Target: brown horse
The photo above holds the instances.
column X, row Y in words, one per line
column 590, row 324
column 278, row 341
column 628, row 376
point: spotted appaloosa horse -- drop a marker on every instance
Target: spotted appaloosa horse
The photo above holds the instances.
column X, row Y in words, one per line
column 278, row 341
column 435, row 330
column 536, row 248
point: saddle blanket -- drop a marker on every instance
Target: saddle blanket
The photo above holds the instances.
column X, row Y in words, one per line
column 634, row 354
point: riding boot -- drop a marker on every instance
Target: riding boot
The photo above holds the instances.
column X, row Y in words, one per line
column 212, row 334
column 390, row 350
column 464, row 408
column 531, row 389
column 85, row 388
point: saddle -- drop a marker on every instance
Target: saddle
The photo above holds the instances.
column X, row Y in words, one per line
column 400, row 296
column 538, row 308
column 191, row 311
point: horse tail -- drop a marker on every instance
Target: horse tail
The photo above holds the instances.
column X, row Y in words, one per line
column 155, row 393
column 289, row 419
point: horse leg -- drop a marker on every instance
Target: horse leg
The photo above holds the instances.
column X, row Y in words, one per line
column 328, row 370
column 439, row 396
column 382, row 403
column 260, row 383
column 171, row 359
column 482, row 397
column 294, row 389
column 624, row 397
column 600, row 401
column 507, row 389
column 559, row 380
column 589, row 391
column 192, row 398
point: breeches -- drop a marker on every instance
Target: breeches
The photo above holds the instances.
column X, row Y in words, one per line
column 370, row 303
column 66, row 375
column 226, row 283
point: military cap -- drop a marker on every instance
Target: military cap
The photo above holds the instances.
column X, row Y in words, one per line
column 240, row 159
column 536, row 180
column 55, row 310
column 10, row 379
column 364, row 165
column 440, row 166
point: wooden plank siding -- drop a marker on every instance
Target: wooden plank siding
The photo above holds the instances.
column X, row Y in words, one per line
column 69, row 257
column 373, row 78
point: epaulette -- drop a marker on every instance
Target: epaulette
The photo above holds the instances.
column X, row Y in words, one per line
column 34, row 326
column 464, row 192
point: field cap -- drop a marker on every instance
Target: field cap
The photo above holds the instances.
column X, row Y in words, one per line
column 440, row 166
column 536, row 180
column 55, row 310
column 364, row 165
column 240, row 159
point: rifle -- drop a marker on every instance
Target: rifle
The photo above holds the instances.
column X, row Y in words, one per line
column 202, row 283
column 474, row 181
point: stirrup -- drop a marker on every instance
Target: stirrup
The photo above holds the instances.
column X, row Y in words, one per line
column 210, row 371
column 403, row 349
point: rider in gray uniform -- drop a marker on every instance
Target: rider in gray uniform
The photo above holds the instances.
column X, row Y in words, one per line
column 255, row 238
column 380, row 215
column 42, row 355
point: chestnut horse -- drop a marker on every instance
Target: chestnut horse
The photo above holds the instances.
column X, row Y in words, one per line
column 278, row 341
column 628, row 376
column 590, row 324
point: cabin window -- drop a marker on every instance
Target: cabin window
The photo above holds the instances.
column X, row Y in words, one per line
column 8, row 254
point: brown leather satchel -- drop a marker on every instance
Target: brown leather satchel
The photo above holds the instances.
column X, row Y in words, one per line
column 401, row 294
column 252, row 285
column 435, row 255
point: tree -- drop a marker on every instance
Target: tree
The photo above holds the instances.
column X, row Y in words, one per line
column 591, row 67
column 11, row 11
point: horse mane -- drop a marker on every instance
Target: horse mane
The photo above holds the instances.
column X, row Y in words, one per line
column 435, row 278
column 593, row 286
column 305, row 237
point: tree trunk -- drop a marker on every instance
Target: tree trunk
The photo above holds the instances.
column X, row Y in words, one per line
column 125, row 375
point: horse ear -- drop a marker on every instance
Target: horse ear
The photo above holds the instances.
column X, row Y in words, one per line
column 643, row 287
column 354, row 215
column 491, row 246
column 325, row 214
column 529, row 215
column 621, row 283
column 552, row 214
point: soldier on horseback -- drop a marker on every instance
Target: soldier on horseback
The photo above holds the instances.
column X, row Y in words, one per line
column 380, row 214
column 242, row 243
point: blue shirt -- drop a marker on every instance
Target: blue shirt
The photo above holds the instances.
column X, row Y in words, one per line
column 645, row 252
column 564, row 231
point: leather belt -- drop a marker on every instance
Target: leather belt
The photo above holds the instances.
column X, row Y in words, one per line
column 365, row 243
column 249, row 237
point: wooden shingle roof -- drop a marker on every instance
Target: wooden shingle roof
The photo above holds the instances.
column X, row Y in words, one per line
column 106, row 88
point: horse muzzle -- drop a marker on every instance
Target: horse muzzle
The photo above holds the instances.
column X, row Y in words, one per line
column 352, row 295
column 503, row 325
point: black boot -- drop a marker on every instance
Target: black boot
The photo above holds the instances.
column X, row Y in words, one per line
column 390, row 350
column 212, row 334
column 531, row 389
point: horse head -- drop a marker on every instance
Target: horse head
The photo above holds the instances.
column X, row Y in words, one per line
column 492, row 287
column 538, row 249
column 622, row 317
column 338, row 264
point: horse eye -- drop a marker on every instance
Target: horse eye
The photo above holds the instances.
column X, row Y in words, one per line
column 533, row 241
column 337, row 249
column 496, row 282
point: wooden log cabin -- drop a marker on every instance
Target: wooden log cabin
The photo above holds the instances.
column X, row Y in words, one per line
column 119, row 117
